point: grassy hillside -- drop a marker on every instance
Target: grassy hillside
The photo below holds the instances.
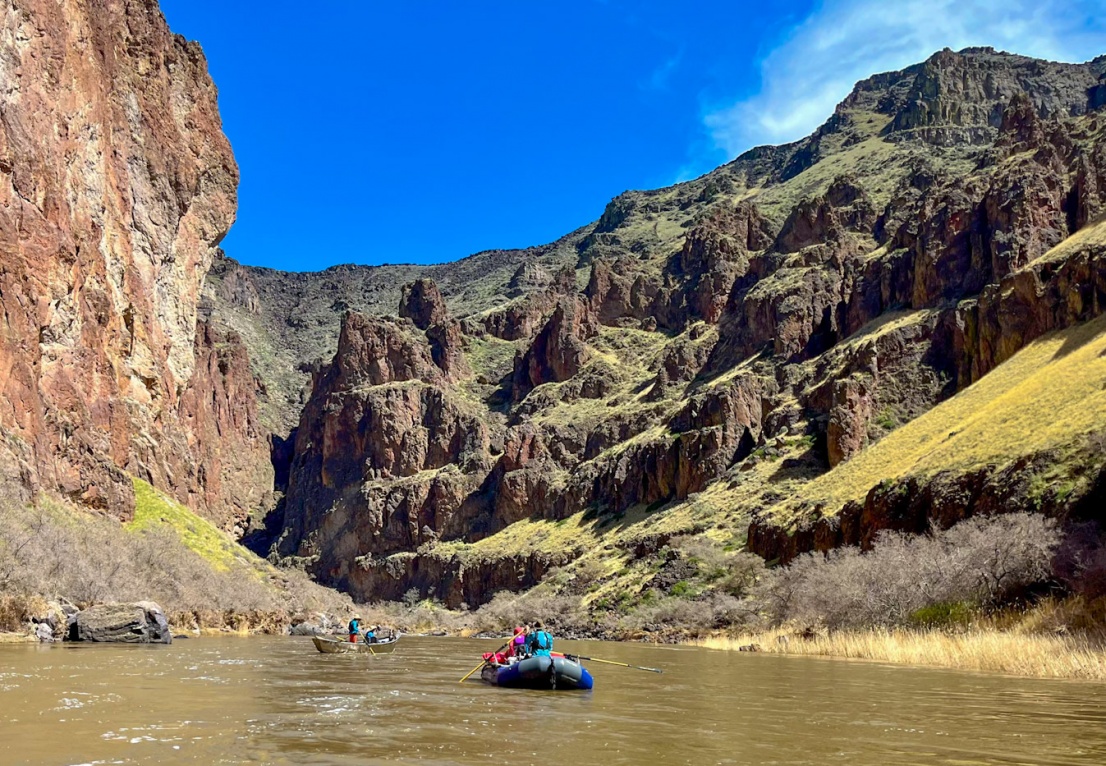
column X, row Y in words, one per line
column 155, row 511
column 1050, row 396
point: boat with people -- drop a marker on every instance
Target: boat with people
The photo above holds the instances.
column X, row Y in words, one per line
column 328, row 645
column 540, row 672
column 529, row 662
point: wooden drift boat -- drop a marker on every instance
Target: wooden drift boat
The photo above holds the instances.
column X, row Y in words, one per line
column 337, row 646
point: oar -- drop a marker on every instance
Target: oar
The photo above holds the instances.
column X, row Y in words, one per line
column 483, row 663
column 612, row 662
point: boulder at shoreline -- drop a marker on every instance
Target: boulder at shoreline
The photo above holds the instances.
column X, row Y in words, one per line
column 140, row 623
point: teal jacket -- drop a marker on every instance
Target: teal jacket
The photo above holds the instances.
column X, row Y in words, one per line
column 539, row 643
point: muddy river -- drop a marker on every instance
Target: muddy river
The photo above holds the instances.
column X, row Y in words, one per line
column 276, row 700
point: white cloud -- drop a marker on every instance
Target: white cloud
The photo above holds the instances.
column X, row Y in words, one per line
column 848, row 40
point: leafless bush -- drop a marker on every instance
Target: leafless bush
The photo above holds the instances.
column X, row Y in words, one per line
column 978, row 561
column 46, row 551
column 709, row 612
column 731, row 572
column 507, row 610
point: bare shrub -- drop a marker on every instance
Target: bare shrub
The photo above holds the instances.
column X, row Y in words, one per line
column 734, row 572
column 978, row 561
column 694, row 617
column 506, row 610
column 49, row 551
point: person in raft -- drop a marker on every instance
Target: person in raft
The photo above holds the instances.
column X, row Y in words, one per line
column 518, row 644
column 538, row 642
column 370, row 635
column 354, row 629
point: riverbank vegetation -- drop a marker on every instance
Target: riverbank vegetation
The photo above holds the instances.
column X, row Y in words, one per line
column 983, row 649
column 1014, row 593
column 50, row 553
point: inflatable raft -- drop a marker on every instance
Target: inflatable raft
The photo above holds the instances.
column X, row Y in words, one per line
column 539, row 673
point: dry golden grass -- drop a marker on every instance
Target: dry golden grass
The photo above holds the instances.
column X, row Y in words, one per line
column 1019, row 654
column 1092, row 234
column 1050, row 394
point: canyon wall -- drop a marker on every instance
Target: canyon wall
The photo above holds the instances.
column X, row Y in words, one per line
column 116, row 186
column 796, row 305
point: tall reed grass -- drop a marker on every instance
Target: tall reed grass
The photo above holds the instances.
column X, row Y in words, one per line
column 1038, row 656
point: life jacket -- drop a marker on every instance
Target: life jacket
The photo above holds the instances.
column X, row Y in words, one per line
column 540, row 643
column 353, row 627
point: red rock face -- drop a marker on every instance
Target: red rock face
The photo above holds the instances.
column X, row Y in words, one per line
column 116, row 184
column 423, row 304
column 559, row 351
column 230, row 474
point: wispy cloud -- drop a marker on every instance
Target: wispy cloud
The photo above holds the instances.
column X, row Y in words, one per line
column 847, row 40
column 661, row 76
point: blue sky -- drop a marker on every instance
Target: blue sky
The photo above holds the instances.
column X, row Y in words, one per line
column 423, row 132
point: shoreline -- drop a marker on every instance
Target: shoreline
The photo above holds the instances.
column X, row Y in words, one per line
column 1076, row 656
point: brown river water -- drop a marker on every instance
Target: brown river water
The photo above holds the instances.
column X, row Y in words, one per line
column 276, row 700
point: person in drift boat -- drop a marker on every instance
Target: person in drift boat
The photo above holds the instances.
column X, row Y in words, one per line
column 354, row 629
column 538, row 642
column 370, row 635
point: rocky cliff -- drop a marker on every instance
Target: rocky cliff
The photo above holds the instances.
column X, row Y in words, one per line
column 116, row 186
column 704, row 359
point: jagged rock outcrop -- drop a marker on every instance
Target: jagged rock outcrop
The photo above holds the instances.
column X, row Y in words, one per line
column 844, row 208
column 521, row 319
column 958, row 97
column 372, row 352
column 559, row 351
column 384, row 449
column 529, row 278
column 716, row 253
column 423, row 304
column 116, row 186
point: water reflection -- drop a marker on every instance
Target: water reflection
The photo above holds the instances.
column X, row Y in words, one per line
column 277, row 701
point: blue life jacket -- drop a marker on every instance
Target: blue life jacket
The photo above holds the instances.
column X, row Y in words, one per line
column 354, row 627
column 539, row 643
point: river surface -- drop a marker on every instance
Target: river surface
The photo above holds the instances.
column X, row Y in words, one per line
column 276, row 700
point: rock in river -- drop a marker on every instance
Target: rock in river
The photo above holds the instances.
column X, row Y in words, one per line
column 140, row 623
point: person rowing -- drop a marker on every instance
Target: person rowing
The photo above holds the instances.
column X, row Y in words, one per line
column 354, row 629
column 538, row 642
